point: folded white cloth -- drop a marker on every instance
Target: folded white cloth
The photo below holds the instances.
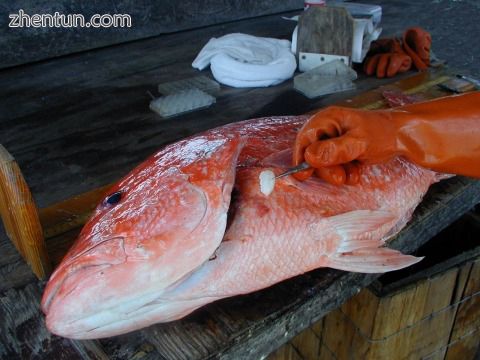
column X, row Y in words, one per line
column 241, row 60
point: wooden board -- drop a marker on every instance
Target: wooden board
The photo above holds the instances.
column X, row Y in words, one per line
column 325, row 30
column 20, row 216
column 465, row 335
column 414, row 323
column 82, row 121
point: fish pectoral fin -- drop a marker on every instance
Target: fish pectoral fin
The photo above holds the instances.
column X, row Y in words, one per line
column 373, row 260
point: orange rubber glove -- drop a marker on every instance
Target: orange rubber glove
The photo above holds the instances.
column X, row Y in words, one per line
column 417, row 43
column 386, row 59
column 442, row 135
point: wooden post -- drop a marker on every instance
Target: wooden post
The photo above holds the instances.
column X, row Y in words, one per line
column 20, row 216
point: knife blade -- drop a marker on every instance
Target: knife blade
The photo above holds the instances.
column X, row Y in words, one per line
column 301, row 167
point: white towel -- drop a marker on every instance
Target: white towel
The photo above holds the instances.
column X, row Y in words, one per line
column 241, row 60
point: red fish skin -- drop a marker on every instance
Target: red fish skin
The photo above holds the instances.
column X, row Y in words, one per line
column 173, row 206
column 292, row 234
column 297, row 228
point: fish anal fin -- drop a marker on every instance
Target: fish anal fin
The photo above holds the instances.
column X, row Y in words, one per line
column 373, row 260
column 357, row 246
column 358, row 229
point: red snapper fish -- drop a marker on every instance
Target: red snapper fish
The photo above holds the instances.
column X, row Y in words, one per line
column 192, row 225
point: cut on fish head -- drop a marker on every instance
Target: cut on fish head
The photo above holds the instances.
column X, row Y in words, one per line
column 155, row 226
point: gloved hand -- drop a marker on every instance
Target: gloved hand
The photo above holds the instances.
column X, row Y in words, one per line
column 417, row 43
column 441, row 134
column 387, row 58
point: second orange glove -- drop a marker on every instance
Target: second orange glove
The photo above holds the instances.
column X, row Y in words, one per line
column 388, row 57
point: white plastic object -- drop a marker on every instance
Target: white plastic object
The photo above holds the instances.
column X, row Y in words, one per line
column 309, row 3
column 358, row 10
column 242, row 60
column 199, row 82
column 326, row 79
column 366, row 26
column 363, row 34
column 182, row 102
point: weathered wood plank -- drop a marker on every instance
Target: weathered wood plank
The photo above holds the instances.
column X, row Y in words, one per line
column 20, row 215
column 307, row 344
column 14, row 271
column 23, row 334
column 130, row 346
column 286, row 352
column 89, row 349
column 70, row 213
column 325, row 30
column 465, row 338
column 26, row 44
column 22, row 330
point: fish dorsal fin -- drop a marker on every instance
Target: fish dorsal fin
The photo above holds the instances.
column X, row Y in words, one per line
column 281, row 159
column 357, row 244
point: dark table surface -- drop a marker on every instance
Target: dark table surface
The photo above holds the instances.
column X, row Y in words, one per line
column 82, row 121
column 453, row 25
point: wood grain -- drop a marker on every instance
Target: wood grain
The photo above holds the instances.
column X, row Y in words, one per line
column 23, row 334
column 20, row 217
column 307, row 344
column 70, row 213
column 325, row 30
column 465, row 336
column 286, row 352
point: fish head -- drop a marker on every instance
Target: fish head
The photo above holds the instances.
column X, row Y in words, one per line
column 155, row 226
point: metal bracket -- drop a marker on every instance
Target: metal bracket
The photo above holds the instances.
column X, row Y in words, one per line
column 308, row 61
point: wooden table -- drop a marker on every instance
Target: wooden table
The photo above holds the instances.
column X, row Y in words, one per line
column 81, row 121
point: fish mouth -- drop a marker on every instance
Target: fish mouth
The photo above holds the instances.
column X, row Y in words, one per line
column 126, row 315
column 114, row 324
column 51, row 292
column 73, row 268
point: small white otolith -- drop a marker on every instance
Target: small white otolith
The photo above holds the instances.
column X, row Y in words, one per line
column 267, row 182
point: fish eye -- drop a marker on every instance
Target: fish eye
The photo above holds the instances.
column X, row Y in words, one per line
column 114, row 198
